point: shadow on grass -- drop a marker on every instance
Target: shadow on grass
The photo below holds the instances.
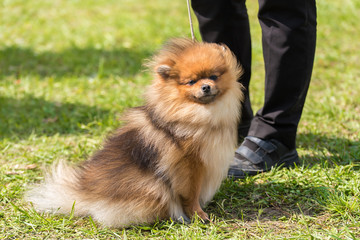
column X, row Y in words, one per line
column 329, row 150
column 71, row 62
column 251, row 200
column 19, row 118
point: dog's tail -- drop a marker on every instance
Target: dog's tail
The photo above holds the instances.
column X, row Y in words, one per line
column 57, row 194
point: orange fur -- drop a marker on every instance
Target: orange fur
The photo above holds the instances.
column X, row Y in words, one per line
column 172, row 154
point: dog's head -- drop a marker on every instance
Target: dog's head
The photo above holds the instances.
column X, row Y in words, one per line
column 194, row 71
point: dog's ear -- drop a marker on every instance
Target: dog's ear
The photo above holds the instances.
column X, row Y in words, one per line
column 163, row 71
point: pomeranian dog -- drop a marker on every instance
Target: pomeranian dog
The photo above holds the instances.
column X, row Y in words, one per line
column 171, row 155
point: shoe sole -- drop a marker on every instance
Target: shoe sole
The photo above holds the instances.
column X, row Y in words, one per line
column 289, row 160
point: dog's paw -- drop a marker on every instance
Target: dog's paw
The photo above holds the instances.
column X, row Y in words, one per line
column 183, row 219
column 203, row 216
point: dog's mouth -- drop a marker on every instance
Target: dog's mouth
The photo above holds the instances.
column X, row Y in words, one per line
column 205, row 99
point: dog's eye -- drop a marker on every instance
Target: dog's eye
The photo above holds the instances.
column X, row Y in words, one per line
column 191, row 82
column 213, row 77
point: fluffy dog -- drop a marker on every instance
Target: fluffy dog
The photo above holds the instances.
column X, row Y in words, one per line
column 172, row 154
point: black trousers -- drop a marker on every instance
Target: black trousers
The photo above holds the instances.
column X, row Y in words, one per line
column 288, row 39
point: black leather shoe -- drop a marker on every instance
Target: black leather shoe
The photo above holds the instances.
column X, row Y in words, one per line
column 256, row 156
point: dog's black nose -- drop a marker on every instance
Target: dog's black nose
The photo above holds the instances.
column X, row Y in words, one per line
column 206, row 88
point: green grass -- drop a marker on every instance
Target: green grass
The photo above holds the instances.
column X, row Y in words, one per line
column 68, row 69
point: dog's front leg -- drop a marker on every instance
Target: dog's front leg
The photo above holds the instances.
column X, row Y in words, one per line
column 190, row 191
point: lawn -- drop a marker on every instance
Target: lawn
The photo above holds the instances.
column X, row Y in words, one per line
column 68, row 69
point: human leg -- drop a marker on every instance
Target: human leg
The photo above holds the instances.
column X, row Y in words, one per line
column 289, row 38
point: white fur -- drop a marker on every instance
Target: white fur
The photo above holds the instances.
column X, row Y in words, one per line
column 176, row 211
column 56, row 193
column 218, row 143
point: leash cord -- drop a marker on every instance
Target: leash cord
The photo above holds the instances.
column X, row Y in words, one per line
column 190, row 20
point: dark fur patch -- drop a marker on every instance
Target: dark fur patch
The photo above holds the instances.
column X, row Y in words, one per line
column 113, row 170
column 144, row 155
column 165, row 127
